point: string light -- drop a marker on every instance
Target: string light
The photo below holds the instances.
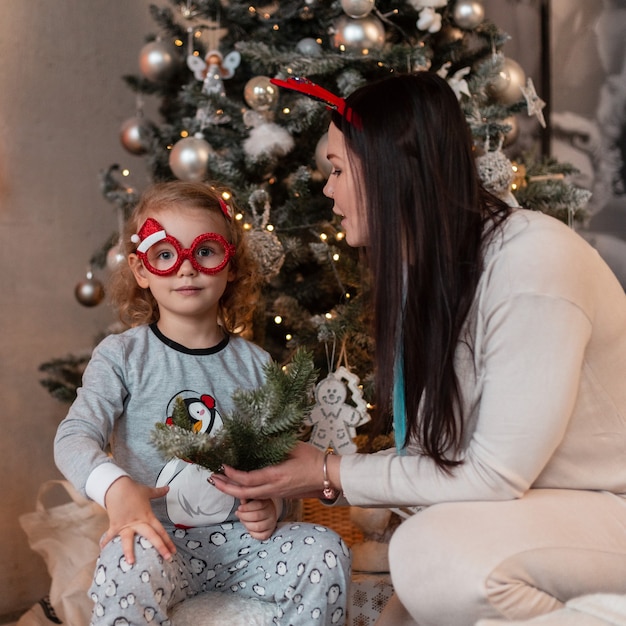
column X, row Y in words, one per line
column 278, row 319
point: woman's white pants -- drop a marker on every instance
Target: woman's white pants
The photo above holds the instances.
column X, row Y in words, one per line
column 456, row 563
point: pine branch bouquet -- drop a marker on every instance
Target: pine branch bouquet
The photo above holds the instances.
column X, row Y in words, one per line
column 262, row 428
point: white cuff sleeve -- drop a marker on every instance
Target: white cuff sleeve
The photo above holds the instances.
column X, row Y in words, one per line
column 101, row 479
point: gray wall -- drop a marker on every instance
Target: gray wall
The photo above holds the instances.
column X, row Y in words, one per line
column 62, row 102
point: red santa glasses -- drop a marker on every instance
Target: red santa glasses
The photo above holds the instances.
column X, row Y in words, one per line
column 163, row 254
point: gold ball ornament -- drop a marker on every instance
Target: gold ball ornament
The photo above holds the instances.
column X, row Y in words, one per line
column 448, row 35
column 189, row 158
column 89, row 292
column 511, row 136
column 135, row 135
column 358, row 35
column 158, row 61
column 260, row 94
column 468, row 14
column 357, row 8
column 506, row 87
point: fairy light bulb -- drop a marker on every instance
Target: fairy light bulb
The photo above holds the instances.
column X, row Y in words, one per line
column 278, row 320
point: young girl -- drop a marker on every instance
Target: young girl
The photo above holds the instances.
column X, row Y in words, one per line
column 501, row 352
column 188, row 287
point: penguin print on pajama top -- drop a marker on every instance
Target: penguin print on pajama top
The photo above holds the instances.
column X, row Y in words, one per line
column 192, row 501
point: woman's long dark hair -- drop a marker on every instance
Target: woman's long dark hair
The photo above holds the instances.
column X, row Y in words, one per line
column 427, row 215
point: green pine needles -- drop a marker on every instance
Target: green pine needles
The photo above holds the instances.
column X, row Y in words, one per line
column 261, row 430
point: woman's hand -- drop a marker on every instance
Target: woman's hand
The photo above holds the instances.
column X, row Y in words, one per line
column 128, row 507
column 300, row 476
column 259, row 517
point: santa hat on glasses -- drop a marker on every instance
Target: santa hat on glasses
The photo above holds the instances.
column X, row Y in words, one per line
column 148, row 235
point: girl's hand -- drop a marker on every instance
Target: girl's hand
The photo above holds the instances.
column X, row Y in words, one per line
column 300, row 476
column 128, row 507
column 259, row 517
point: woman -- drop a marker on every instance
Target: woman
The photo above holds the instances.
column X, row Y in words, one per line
column 501, row 353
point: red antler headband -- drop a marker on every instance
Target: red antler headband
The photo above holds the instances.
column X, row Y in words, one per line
column 309, row 88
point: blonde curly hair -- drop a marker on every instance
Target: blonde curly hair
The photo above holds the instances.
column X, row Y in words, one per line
column 136, row 306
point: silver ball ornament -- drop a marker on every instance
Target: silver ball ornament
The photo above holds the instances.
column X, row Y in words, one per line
column 506, row 87
column 260, row 94
column 115, row 257
column 135, row 135
column 189, row 159
column 158, row 61
column 358, row 35
column 468, row 14
column 309, row 47
column 89, row 292
column 322, row 163
column 357, row 8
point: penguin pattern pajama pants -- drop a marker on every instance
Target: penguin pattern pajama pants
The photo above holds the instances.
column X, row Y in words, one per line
column 303, row 569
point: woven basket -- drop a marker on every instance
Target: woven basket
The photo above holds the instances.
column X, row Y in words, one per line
column 336, row 518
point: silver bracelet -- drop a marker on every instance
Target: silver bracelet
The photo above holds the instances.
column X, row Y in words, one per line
column 329, row 492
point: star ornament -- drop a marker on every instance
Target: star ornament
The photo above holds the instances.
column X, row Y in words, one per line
column 534, row 103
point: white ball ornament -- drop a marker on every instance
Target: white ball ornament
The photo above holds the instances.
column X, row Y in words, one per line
column 506, row 87
column 260, row 94
column 158, row 61
column 135, row 135
column 358, row 35
column 468, row 14
column 115, row 257
column 357, row 8
column 322, row 163
column 189, row 158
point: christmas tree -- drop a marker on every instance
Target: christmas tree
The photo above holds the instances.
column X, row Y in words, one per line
column 209, row 65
